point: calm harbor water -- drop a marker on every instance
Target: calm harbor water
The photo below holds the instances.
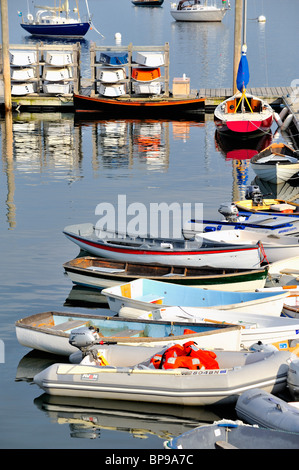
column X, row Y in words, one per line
column 56, row 169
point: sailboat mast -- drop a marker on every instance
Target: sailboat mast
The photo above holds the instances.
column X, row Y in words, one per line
column 244, row 21
column 237, row 41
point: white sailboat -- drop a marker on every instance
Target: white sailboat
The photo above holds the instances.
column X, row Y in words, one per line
column 194, row 10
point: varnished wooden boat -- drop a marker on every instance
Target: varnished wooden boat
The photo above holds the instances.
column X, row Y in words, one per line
column 138, row 106
column 101, row 273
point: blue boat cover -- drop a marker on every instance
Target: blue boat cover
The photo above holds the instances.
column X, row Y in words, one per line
column 243, row 72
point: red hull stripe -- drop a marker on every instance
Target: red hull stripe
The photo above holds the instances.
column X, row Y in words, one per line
column 141, row 252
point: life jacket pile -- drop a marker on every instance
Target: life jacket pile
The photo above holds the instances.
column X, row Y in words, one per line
column 187, row 356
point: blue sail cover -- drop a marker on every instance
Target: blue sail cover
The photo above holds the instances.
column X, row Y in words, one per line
column 243, row 73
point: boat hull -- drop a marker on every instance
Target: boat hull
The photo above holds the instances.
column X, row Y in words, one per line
column 244, row 128
column 145, row 294
column 50, row 331
column 225, row 257
column 74, row 30
column 137, row 107
column 267, row 411
column 99, row 273
column 233, row 435
column 278, row 331
column 176, row 386
column 199, row 14
column 275, row 173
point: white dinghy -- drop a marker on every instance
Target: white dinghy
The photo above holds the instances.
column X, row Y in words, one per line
column 281, row 332
column 129, row 373
column 144, row 294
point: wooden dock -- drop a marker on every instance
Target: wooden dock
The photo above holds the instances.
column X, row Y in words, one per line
column 291, row 119
column 274, row 95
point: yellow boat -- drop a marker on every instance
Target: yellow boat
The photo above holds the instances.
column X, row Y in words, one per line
column 268, row 206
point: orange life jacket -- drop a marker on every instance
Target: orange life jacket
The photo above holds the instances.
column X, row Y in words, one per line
column 187, row 355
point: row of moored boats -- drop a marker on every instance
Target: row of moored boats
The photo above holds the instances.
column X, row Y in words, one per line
column 207, row 319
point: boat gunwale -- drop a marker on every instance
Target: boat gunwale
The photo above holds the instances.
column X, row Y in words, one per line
column 72, row 267
column 211, row 329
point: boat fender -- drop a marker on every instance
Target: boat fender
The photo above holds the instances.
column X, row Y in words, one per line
column 278, row 119
column 260, row 347
column 287, row 122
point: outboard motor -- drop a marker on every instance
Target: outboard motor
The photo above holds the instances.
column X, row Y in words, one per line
column 84, row 337
column 254, row 193
column 230, row 211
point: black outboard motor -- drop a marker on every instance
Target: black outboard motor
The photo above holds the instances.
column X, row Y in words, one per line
column 254, row 193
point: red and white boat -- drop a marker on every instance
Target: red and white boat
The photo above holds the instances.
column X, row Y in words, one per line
column 243, row 115
column 178, row 252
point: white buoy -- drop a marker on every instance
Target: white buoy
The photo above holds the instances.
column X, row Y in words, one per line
column 278, row 119
column 262, row 19
column 117, row 38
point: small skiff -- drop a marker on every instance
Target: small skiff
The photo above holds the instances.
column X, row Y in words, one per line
column 256, row 222
column 144, row 294
column 233, row 435
column 50, row 331
column 22, row 74
column 259, row 407
column 59, row 58
column 102, row 272
column 111, row 74
column 291, row 306
column 269, row 206
column 21, row 89
column 256, row 329
column 22, row 58
column 275, row 247
column 165, row 251
column 56, row 74
column 112, row 91
column 277, row 163
column 147, row 88
column 57, row 88
column 237, row 371
column 150, row 59
column 146, row 74
column 114, row 58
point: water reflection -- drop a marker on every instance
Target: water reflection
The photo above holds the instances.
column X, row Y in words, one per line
column 240, row 153
column 87, row 418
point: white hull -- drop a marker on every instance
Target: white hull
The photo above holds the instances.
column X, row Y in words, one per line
column 151, row 88
column 111, row 74
column 22, row 74
column 276, row 247
column 57, row 88
column 150, row 59
column 185, row 255
column 275, row 173
column 265, row 328
column 22, row 58
column 21, row 89
column 112, row 91
column 291, row 307
column 56, row 74
column 56, row 340
column 144, row 295
column 197, row 13
column 59, row 59
column 238, row 372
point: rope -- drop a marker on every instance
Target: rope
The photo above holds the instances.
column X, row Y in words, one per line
column 263, row 252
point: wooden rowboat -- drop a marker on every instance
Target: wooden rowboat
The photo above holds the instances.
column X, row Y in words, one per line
column 138, row 105
column 101, row 273
column 50, row 331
